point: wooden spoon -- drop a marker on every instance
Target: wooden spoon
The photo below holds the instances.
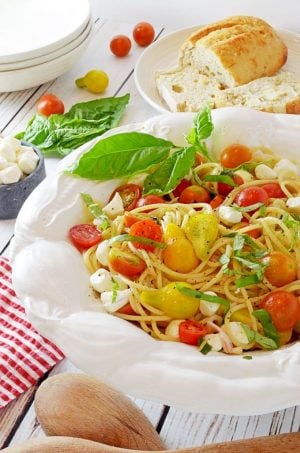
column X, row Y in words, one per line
column 283, row 443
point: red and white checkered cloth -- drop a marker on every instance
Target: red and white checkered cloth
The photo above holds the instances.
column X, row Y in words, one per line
column 25, row 356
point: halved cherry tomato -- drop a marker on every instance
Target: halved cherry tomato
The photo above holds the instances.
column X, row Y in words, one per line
column 147, row 229
column 235, row 155
column 120, row 45
column 281, row 268
column 181, row 186
column 283, row 308
column 217, row 201
column 127, row 310
column 274, row 190
column 143, row 34
column 49, row 104
column 191, row 331
column 252, row 195
column 224, row 189
column 130, row 194
column 150, row 199
column 130, row 219
column 126, row 263
column 85, row 235
column 194, row 194
column 255, row 233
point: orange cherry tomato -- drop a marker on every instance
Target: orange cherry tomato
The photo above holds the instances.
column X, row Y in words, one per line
column 251, row 195
column 143, row 34
column 126, row 263
column 85, row 235
column 130, row 194
column 283, row 308
column 235, row 155
column 224, row 189
column 149, row 199
column 50, row 104
column 120, row 45
column 191, row 331
column 217, row 201
column 274, row 190
column 130, row 219
column 281, row 268
column 194, row 194
column 147, row 229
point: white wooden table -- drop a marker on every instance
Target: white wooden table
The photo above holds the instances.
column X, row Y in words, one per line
column 178, row 428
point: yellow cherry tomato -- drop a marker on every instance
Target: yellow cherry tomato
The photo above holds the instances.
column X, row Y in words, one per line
column 202, row 231
column 171, row 301
column 179, row 254
column 95, row 81
column 241, row 315
column 173, row 231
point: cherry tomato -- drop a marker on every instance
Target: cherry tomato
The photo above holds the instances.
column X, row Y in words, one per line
column 181, row 186
column 224, row 189
column 49, row 104
column 127, row 310
column 143, row 34
column 235, row 155
column 130, row 219
column 252, row 195
column 283, row 308
column 194, row 194
column 147, row 229
column 217, row 201
column 273, row 189
column 199, row 159
column 120, row 45
column 130, row 194
column 149, row 199
column 281, row 268
column 254, row 233
column 126, row 263
column 191, row 331
column 85, row 235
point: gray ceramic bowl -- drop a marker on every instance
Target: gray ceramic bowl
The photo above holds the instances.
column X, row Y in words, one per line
column 12, row 196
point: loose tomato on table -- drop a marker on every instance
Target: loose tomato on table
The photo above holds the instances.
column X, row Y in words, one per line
column 224, row 189
column 120, row 45
column 50, row 104
column 126, row 263
column 235, row 155
column 130, row 194
column 85, row 235
column 281, row 268
column 149, row 199
column 274, row 190
column 251, row 195
column 149, row 229
column 283, row 308
column 143, row 34
column 191, row 331
column 194, row 194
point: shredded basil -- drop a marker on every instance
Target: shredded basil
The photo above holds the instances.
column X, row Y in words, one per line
column 265, row 342
column 139, row 239
column 115, row 287
column 203, row 296
column 226, row 179
column 267, row 324
column 96, row 211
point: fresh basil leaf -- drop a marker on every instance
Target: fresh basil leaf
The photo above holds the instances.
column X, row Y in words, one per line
column 203, row 296
column 266, row 321
column 170, row 173
column 226, row 179
column 121, row 155
column 266, row 343
column 139, row 239
column 96, row 211
column 62, row 133
column 202, row 129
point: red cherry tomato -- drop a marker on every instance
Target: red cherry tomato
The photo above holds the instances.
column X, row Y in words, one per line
column 143, row 34
column 149, row 199
column 181, row 186
column 217, row 201
column 85, row 235
column 130, row 194
column 254, row 233
column 194, row 194
column 127, row 310
column 251, row 195
column 283, row 308
column 191, row 331
column 147, row 229
column 225, row 189
column 235, row 155
column 49, row 104
column 120, row 45
column 281, row 268
column 274, row 190
column 126, row 263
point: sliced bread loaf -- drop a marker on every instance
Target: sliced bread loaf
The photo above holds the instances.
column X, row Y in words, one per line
column 235, row 50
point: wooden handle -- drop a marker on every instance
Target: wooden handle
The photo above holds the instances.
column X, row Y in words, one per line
column 283, row 443
column 76, row 405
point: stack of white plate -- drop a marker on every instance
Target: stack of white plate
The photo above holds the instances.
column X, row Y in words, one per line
column 40, row 40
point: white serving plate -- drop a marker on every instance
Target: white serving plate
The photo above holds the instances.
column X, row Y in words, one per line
column 163, row 55
column 21, row 79
column 32, row 28
column 22, row 64
column 50, row 278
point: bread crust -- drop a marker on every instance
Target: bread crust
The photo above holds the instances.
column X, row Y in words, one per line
column 293, row 106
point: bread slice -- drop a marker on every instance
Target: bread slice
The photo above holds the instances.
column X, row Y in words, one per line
column 277, row 94
column 235, row 50
column 187, row 90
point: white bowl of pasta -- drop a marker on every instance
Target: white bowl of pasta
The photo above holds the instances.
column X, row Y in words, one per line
column 203, row 279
